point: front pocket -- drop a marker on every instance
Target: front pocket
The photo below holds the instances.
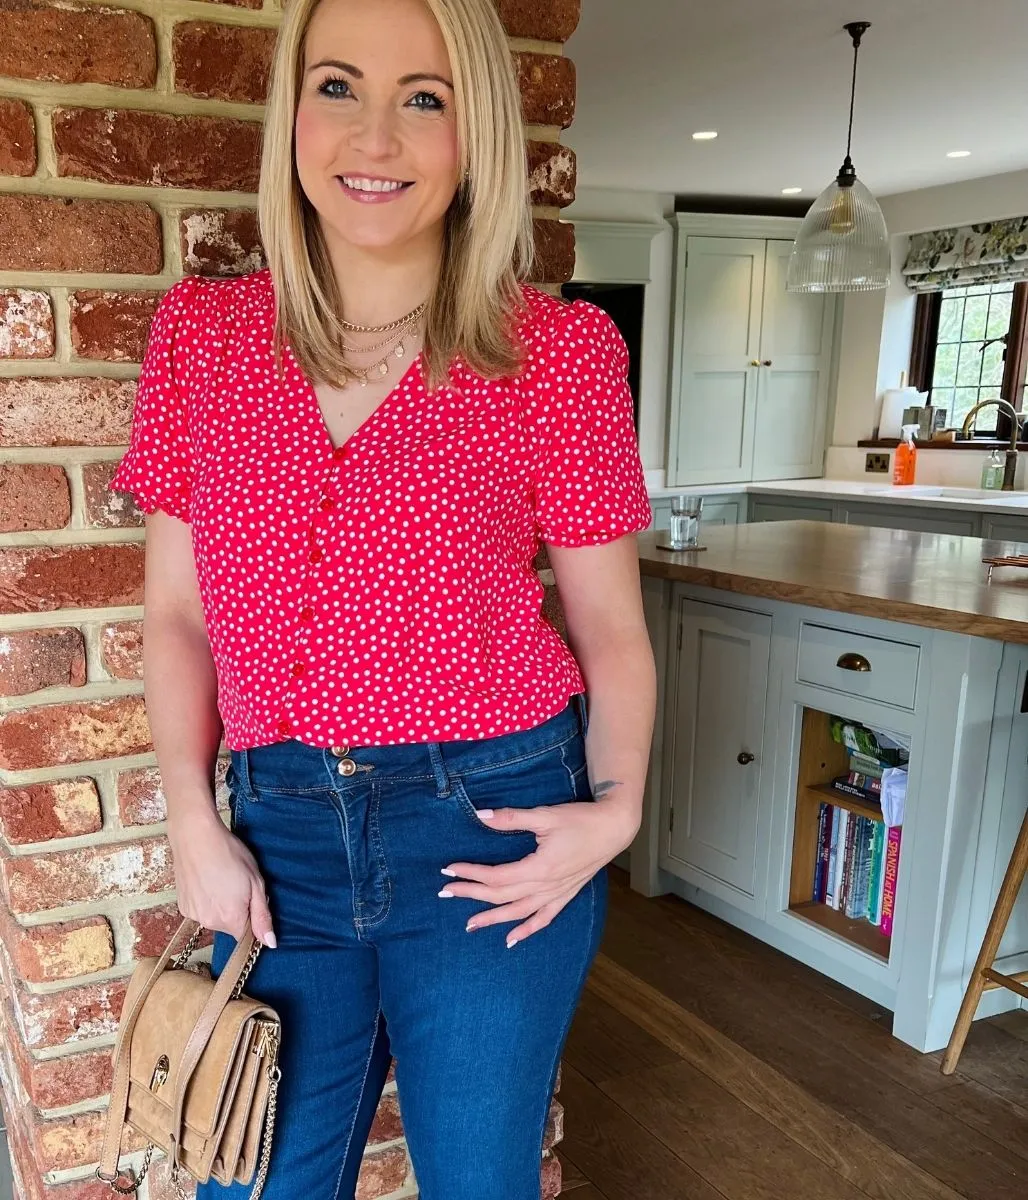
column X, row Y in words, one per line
column 542, row 781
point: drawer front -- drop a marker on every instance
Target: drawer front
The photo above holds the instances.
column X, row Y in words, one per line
column 858, row 665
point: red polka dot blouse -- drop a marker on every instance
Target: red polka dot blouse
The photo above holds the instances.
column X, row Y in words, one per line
column 381, row 591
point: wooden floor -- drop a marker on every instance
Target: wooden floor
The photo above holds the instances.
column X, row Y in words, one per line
column 704, row 1065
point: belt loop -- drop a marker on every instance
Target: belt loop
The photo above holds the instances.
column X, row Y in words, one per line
column 242, row 769
column 582, row 708
column 442, row 777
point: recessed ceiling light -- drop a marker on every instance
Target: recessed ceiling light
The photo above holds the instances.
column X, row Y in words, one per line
column 704, row 135
column 791, row 191
column 958, row 153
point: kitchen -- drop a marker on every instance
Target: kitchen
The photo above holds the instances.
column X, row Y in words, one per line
column 742, row 1035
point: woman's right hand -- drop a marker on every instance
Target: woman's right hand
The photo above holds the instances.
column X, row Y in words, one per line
column 217, row 879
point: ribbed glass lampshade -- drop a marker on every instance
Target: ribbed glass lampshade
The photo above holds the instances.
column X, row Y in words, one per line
column 842, row 245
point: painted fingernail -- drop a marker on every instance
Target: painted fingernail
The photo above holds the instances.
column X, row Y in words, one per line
column 447, row 871
column 270, row 940
column 486, row 814
column 446, row 893
column 512, row 942
column 471, row 926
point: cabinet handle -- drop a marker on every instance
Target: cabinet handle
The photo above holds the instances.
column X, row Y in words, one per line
column 745, row 758
column 754, row 362
column 853, row 662
column 766, row 362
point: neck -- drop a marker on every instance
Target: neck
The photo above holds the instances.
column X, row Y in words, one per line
column 378, row 285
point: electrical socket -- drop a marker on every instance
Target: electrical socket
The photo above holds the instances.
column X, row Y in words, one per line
column 877, row 464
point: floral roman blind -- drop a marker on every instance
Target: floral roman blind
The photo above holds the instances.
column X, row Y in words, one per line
column 986, row 253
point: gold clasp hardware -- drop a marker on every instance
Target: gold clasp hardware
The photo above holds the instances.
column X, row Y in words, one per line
column 267, row 1038
column 160, row 1073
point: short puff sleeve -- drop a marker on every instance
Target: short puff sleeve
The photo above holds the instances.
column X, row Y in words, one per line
column 590, row 487
column 157, row 468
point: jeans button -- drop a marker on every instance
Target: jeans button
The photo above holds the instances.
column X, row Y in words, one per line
column 347, row 766
column 341, row 750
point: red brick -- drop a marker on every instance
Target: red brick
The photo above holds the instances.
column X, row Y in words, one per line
column 46, row 578
column 17, row 137
column 155, row 927
column 33, row 496
column 71, row 1015
column 550, row 1178
column 555, row 251
column 34, row 659
column 62, row 1082
column 141, row 800
column 104, row 508
column 50, row 735
column 554, row 1132
column 47, row 233
column 552, row 173
column 73, row 410
column 121, row 649
column 387, row 1126
column 61, row 950
column 111, row 326
column 240, row 3
column 382, row 1173
column 157, row 150
column 543, row 20
column 75, row 1141
column 66, row 42
column 223, row 62
column 26, row 323
column 220, row 241
column 39, row 812
column 547, row 83
column 33, row 882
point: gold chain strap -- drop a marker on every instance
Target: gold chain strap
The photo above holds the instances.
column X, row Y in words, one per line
column 178, row 963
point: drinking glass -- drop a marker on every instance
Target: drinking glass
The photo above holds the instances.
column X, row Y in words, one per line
column 684, row 532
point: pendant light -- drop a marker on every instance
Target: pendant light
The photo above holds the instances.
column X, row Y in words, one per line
column 842, row 245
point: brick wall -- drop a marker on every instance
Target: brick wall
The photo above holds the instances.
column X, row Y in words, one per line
column 128, row 157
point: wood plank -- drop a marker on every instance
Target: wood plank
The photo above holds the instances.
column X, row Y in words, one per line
column 865, row 1157
column 992, row 1115
column 734, row 1148
column 605, row 1143
column 602, row 1044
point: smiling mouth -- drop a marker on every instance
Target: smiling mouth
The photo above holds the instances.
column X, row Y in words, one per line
column 378, row 187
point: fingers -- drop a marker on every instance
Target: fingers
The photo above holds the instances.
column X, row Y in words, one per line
column 260, row 915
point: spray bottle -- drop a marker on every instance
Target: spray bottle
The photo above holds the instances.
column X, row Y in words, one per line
column 904, row 464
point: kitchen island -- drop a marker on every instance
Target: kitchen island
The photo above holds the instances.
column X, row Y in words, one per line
column 761, row 640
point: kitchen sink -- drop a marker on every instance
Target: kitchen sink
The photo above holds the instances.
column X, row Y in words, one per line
column 928, row 491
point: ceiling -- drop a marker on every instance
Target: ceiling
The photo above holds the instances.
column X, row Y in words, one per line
column 772, row 77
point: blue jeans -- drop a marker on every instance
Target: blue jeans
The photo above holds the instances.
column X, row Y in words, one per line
column 371, row 963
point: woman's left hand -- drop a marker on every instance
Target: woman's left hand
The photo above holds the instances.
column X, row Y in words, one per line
column 575, row 841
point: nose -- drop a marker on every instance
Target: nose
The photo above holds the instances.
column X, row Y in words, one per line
column 374, row 132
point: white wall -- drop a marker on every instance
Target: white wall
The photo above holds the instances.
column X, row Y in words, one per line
column 877, row 327
column 646, row 208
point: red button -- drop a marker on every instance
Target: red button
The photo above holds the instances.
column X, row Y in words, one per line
column 326, row 504
column 316, row 555
column 284, row 727
column 306, row 614
column 298, row 668
column 339, row 452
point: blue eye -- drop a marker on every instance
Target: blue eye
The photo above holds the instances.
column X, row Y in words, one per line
column 327, row 87
column 435, row 103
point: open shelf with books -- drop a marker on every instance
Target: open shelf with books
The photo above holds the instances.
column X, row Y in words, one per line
column 850, row 791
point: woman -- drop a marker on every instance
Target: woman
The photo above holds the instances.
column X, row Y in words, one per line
column 339, row 579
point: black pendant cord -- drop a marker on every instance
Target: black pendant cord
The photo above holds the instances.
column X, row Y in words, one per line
column 847, row 175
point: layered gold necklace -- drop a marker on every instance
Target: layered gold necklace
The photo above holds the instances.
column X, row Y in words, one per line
column 396, row 331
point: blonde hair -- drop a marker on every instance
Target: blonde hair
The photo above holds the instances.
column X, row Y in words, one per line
column 488, row 241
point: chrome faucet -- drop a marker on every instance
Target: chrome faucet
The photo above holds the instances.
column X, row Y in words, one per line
column 1010, row 466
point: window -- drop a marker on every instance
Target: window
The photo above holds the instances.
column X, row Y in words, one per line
column 969, row 346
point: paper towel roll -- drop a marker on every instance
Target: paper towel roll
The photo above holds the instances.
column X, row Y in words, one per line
column 894, row 401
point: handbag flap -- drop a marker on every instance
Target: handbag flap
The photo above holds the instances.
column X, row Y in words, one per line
column 166, row 1021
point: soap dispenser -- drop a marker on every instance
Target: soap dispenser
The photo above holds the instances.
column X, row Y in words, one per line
column 904, row 463
column 992, row 471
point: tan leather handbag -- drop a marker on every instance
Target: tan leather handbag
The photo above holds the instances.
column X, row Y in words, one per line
column 195, row 1069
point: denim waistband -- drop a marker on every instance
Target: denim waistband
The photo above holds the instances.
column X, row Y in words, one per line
column 297, row 766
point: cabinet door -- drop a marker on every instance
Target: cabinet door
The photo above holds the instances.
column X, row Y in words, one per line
column 792, row 398
column 1005, row 529
column 720, row 339
column 720, row 692
column 925, row 520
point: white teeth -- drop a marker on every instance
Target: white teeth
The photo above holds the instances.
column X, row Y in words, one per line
column 360, row 184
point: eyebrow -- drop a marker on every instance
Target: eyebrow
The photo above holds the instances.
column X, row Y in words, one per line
column 350, row 69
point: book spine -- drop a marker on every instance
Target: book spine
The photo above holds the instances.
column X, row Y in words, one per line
column 875, row 874
column 819, row 865
column 858, row 892
column 892, row 848
column 847, row 870
column 840, row 865
column 833, row 859
column 883, row 837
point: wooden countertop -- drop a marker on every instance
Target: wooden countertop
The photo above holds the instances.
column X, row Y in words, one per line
column 931, row 579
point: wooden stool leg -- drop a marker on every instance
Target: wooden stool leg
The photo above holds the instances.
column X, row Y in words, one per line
column 1012, row 880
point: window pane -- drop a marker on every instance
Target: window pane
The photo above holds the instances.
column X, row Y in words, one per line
column 999, row 314
column 943, row 398
column 969, row 367
column 976, row 313
column 992, row 365
column 950, row 316
column 964, row 400
column 945, row 373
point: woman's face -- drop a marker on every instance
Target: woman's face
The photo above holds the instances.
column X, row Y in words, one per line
column 376, row 136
